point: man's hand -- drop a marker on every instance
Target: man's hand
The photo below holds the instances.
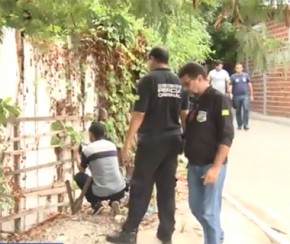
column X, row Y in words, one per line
column 252, row 98
column 75, row 150
column 124, row 155
column 211, row 175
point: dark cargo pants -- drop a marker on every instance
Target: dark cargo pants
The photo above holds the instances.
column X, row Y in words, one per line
column 155, row 162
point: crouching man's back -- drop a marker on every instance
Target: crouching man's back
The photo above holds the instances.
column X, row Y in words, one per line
column 103, row 163
column 101, row 157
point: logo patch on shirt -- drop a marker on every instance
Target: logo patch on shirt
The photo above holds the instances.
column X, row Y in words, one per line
column 169, row 90
column 225, row 112
column 201, row 116
column 244, row 79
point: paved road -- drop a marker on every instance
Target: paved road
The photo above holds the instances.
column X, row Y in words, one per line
column 238, row 229
column 259, row 172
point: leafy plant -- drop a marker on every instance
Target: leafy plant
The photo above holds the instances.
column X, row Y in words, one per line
column 7, row 110
column 64, row 132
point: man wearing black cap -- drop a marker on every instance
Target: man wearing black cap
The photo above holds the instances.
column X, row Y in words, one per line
column 156, row 118
column 101, row 157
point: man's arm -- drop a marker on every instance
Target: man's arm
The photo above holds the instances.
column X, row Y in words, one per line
column 225, row 131
column 209, row 77
column 228, row 83
column 81, row 161
column 230, row 88
column 144, row 92
column 135, row 123
column 250, row 88
column 184, row 108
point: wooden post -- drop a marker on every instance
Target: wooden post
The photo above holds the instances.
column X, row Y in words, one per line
column 83, row 90
column 70, row 195
column 59, row 175
column 16, row 178
column 19, row 39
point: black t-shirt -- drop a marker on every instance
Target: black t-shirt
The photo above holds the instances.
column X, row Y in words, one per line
column 161, row 98
column 208, row 125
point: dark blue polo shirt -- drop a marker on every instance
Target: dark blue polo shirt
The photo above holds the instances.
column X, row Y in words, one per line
column 240, row 84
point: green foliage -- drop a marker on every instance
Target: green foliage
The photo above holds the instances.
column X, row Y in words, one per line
column 64, row 132
column 224, row 43
column 7, row 110
column 110, row 30
column 259, row 47
column 120, row 98
column 188, row 42
column 231, row 27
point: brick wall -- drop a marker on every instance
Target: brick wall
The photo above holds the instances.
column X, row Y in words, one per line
column 272, row 90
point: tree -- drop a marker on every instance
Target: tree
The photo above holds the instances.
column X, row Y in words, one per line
column 248, row 18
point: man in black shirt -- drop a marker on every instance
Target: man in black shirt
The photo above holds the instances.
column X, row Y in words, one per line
column 156, row 118
column 209, row 133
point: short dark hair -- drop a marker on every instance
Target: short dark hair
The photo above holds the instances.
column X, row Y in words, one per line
column 218, row 62
column 160, row 54
column 192, row 70
column 97, row 129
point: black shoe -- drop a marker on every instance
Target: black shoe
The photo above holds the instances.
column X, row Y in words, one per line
column 246, row 127
column 97, row 208
column 239, row 127
column 123, row 237
column 168, row 241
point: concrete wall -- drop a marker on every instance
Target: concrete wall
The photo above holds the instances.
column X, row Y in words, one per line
column 36, row 98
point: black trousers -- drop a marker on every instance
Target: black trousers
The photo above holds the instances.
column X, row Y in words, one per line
column 155, row 162
column 80, row 178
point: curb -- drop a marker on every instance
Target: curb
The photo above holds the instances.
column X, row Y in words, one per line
column 271, row 119
column 274, row 236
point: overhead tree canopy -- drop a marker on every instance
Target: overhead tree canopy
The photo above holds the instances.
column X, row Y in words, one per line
column 246, row 19
column 185, row 20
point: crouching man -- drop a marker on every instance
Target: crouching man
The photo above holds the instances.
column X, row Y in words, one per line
column 102, row 159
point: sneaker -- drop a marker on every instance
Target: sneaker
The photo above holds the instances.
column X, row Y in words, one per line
column 97, row 208
column 239, row 127
column 116, row 208
column 123, row 237
column 246, row 127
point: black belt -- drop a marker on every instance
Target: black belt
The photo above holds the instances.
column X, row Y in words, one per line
column 158, row 134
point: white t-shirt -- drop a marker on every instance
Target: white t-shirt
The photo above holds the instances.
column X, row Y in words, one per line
column 218, row 79
column 102, row 158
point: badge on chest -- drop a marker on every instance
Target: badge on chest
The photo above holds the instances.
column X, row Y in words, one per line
column 201, row 116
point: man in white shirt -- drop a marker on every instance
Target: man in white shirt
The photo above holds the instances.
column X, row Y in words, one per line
column 219, row 78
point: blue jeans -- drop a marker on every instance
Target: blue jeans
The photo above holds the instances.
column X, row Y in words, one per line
column 205, row 202
column 242, row 106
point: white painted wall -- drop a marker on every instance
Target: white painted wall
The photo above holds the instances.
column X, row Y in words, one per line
column 36, row 103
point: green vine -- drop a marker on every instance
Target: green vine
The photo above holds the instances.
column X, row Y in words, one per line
column 7, row 110
column 65, row 132
column 119, row 100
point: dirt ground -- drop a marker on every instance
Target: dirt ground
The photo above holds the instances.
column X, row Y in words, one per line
column 85, row 228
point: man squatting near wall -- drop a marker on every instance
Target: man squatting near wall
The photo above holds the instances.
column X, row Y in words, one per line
column 102, row 158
